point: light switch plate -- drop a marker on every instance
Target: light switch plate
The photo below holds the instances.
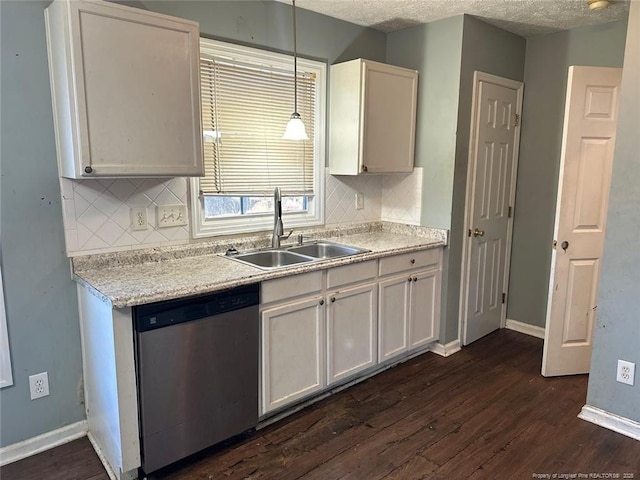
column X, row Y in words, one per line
column 359, row 201
column 171, row 215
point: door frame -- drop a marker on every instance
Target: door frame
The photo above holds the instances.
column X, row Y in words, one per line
column 478, row 77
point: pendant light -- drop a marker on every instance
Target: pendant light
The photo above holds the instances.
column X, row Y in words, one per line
column 295, row 128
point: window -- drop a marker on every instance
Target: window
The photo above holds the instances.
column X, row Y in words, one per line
column 247, row 97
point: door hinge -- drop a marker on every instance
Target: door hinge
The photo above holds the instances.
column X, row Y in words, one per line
column 469, row 232
column 504, row 297
column 517, row 121
column 510, row 212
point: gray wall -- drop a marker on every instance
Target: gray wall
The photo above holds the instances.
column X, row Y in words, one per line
column 446, row 53
column 435, row 50
column 617, row 330
column 42, row 313
column 490, row 50
column 40, row 295
column 548, row 59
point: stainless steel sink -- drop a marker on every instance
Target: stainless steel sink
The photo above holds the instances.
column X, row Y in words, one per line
column 268, row 259
column 325, row 250
column 272, row 258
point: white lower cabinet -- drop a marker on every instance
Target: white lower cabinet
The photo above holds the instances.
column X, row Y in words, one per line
column 394, row 317
column 409, row 315
column 351, row 331
column 424, row 308
column 292, row 352
column 322, row 328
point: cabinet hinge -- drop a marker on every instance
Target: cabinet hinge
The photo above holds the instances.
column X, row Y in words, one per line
column 517, row 120
column 510, row 212
column 504, row 297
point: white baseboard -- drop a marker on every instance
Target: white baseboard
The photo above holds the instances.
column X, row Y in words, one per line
column 611, row 421
column 101, row 456
column 525, row 328
column 46, row 441
column 446, row 350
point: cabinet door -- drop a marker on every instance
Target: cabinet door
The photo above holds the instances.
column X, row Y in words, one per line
column 126, row 92
column 351, row 331
column 292, row 352
column 389, row 114
column 393, row 317
column 424, row 308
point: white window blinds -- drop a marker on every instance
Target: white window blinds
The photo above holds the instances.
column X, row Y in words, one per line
column 245, row 109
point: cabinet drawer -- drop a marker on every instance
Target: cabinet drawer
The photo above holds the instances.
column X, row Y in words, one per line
column 355, row 272
column 290, row 287
column 409, row 261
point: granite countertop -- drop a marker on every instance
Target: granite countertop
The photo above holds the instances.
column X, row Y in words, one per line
column 125, row 279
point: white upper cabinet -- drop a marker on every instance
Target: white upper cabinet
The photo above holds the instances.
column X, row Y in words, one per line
column 125, row 90
column 373, row 118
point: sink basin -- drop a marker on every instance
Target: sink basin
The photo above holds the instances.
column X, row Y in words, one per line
column 268, row 259
column 271, row 258
column 325, row 250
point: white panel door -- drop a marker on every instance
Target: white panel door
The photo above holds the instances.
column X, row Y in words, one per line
column 492, row 176
column 292, row 352
column 351, row 331
column 583, row 193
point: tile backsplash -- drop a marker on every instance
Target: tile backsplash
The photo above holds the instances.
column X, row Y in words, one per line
column 97, row 218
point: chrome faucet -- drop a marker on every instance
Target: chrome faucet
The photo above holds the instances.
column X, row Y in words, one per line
column 278, row 228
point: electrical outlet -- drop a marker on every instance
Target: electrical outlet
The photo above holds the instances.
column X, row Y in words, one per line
column 171, row 215
column 139, row 218
column 359, row 201
column 625, row 372
column 39, row 385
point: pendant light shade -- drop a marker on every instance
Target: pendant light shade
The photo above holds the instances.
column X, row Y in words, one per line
column 295, row 128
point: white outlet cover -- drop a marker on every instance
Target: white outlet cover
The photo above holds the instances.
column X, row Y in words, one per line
column 625, row 372
column 39, row 385
column 139, row 218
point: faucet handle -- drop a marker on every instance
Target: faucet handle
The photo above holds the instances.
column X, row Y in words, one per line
column 284, row 237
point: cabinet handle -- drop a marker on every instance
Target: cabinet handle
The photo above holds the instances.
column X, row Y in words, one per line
column 413, row 260
column 410, row 280
column 333, row 299
column 415, row 279
column 364, row 168
column 321, row 302
column 88, row 169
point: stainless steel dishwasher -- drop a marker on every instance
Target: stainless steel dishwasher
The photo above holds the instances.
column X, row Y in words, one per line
column 197, row 370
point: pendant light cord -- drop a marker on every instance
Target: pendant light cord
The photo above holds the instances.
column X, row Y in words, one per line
column 295, row 61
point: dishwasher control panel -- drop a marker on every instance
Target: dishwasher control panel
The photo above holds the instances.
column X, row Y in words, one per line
column 171, row 312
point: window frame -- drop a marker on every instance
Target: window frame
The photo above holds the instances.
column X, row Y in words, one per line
column 202, row 227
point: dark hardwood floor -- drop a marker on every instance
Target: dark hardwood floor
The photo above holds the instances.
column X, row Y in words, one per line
column 482, row 413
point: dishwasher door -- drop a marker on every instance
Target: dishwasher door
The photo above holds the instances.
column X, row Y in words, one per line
column 197, row 383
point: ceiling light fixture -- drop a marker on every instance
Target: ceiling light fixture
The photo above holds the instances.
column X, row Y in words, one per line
column 598, row 4
column 295, row 128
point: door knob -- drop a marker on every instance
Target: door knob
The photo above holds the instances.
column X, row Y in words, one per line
column 478, row 233
column 564, row 245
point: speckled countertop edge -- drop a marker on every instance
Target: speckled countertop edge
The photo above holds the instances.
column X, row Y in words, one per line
column 126, row 279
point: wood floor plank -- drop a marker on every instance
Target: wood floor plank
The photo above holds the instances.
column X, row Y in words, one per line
column 483, row 413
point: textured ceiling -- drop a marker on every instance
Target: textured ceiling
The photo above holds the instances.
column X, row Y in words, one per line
column 523, row 17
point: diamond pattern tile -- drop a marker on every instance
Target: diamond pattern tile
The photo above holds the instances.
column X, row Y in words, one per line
column 97, row 213
column 402, row 197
